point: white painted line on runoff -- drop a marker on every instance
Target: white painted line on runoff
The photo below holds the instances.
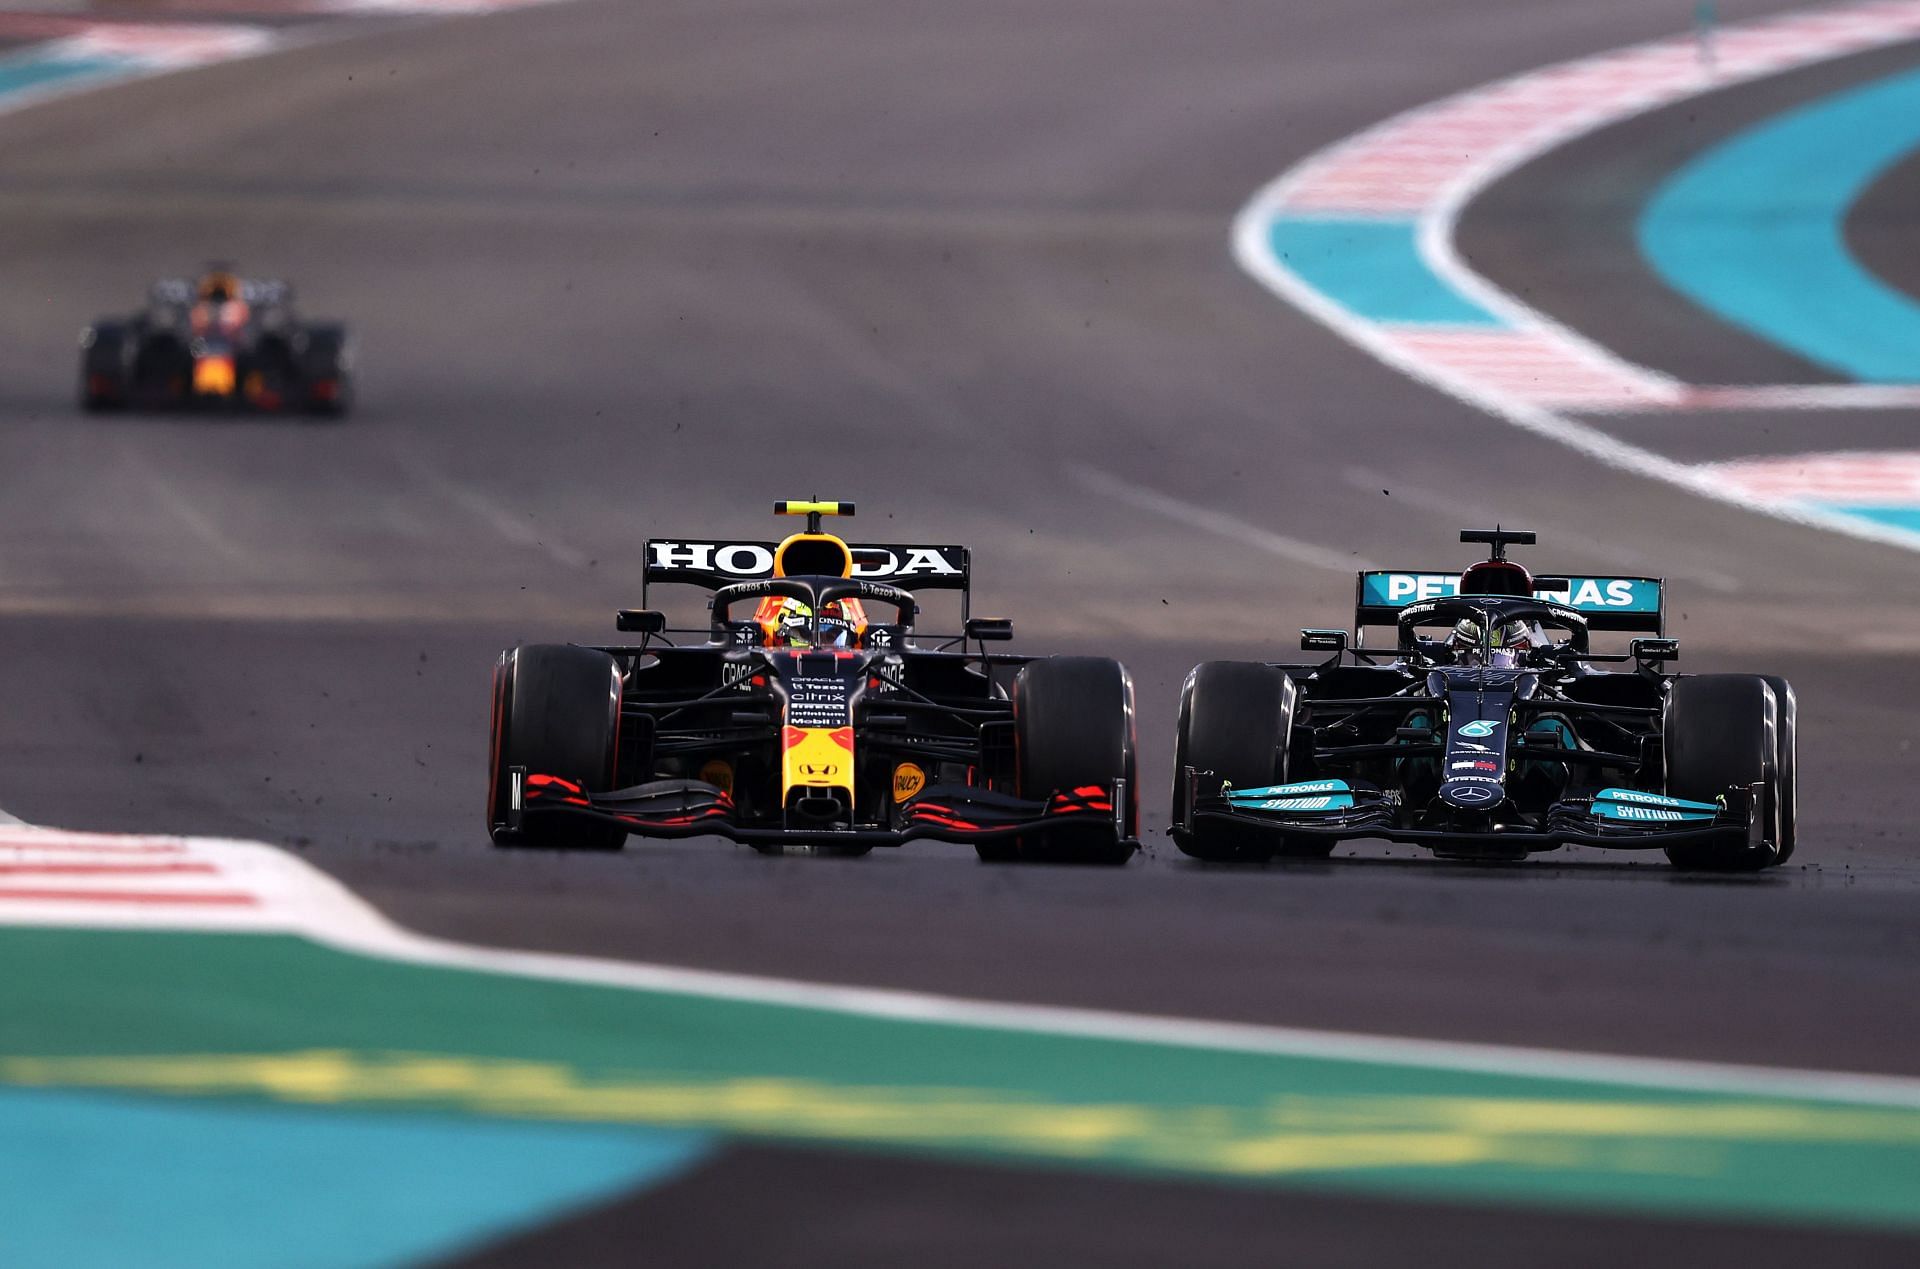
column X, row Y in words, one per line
column 1787, row 396
column 289, row 896
column 1856, row 478
column 511, row 526
column 1426, row 164
column 1218, row 523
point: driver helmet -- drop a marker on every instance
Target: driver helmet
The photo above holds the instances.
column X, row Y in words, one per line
column 218, row 286
column 837, row 630
column 1506, row 645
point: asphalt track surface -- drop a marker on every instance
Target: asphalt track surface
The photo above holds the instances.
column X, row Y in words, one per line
column 620, row 269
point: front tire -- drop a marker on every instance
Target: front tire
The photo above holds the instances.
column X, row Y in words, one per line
column 1073, row 727
column 105, row 349
column 1236, row 718
column 1722, row 731
column 556, row 711
column 1787, row 760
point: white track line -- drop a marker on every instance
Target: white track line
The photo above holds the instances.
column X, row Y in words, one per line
column 1218, row 523
column 292, row 897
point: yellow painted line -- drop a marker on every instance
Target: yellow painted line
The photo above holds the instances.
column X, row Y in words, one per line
column 1288, row 1134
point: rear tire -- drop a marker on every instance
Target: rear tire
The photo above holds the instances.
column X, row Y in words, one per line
column 104, row 356
column 325, row 358
column 1236, row 718
column 1073, row 726
column 1723, row 730
column 556, row 712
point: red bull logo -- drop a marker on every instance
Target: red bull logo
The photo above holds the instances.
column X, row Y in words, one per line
column 817, row 758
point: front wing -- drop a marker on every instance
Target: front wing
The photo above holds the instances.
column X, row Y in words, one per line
column 1359, row 812
column 694, row 808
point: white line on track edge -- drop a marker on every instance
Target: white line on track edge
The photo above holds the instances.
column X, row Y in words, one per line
column 1217, row 523
column 302, row 900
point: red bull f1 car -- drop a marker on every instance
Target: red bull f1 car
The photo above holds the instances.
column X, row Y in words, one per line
column 220, row 341
column 809, row 715
column 1489, row 729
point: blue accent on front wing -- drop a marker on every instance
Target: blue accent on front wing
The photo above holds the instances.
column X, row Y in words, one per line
column 1754, row 231
column 1654, row 799
column 1304, row 796
column 1306, row 805
column 1633, row 813
column 106, row 1179
column 1631, row 806
column 1301, row 788
column 1372, row 268
column 1386, row 588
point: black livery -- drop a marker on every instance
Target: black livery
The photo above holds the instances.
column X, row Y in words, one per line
column 809, row 715
column 1489, row 730
column 219, row 341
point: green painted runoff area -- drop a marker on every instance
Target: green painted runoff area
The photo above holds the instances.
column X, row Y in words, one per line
column 239, row 1019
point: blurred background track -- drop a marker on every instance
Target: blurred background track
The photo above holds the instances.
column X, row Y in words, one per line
column 620, row 268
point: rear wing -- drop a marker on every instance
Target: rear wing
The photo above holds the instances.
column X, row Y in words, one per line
column 1636, row 604
column 252, row 290
column 713, row 564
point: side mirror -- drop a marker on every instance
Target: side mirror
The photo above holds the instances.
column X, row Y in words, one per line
column 1654, row 649
column 989, row 629
column 1334, row 641
column 648, row 621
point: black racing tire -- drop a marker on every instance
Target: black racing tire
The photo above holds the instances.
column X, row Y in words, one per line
column 1723, row 730
column 105, row 353
column 1236, row 718
column 324, row 356
column 162, row 371
column 556, row 711
column 1787, row 760
column 1073, row 726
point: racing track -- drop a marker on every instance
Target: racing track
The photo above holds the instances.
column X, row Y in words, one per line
column 620, row 268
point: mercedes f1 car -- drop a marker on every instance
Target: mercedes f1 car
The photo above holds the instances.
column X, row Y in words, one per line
column 1490, row 730
column 809, row 716
column 218, row 341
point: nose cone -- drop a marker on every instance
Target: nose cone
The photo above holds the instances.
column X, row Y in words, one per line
column 1479, row 707
column 213, row 376
column 1471, row 795
column 818, row 757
